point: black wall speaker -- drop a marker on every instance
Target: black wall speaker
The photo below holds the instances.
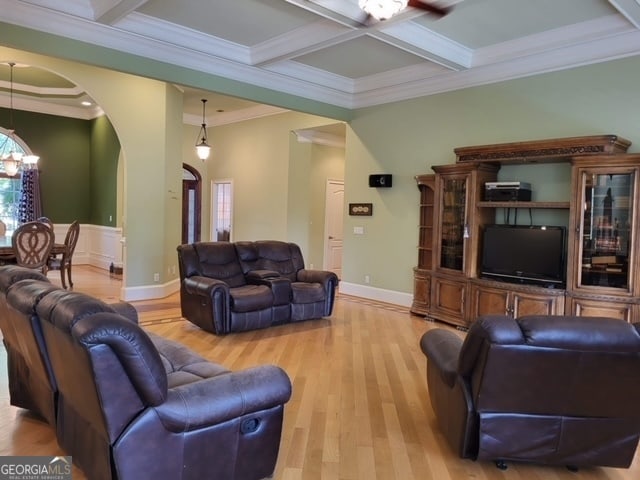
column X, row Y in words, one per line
column 383, row 180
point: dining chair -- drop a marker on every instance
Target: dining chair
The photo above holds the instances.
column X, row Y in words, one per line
column 32, row 243
column 45, row 220
column 63, row 262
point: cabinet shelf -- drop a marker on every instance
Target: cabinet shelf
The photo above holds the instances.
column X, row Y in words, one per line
column 550, row 205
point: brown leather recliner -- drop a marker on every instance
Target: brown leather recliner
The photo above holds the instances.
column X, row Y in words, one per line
column 544, row 389
column 312, row 291
column 31, row 383
column 134, row 405
column 232, row 287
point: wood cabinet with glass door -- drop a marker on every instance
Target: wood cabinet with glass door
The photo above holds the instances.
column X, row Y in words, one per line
column 458, row 225
column 602, row 273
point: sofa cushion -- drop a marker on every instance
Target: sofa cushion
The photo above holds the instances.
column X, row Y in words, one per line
column 182, row 365
column 307, row 292
column 251, row 298
column 219, row 260
column 267, row 255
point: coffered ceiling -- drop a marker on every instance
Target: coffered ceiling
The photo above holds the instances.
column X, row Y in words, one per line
column 322, row 51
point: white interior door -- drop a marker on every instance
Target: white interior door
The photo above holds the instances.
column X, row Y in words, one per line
column 334, row 211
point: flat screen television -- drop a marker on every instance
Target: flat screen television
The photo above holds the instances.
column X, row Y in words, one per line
column 524, row 254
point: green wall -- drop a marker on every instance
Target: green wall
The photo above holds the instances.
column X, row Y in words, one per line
column 64, row 147
column 78, row 164
column 407, row 138
column 105, row 150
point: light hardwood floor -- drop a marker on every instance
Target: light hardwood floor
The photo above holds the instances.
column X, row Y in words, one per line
column 359, row 410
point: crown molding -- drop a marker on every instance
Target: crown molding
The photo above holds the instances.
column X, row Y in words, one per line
column 225, row 118
column 40, row 106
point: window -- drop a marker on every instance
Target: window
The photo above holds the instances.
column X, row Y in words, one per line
column 222, row 201
column 10, row 186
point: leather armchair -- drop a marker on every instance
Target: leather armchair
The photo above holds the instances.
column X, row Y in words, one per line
column 544, row 389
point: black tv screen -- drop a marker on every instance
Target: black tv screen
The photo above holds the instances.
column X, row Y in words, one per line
column 524, row 254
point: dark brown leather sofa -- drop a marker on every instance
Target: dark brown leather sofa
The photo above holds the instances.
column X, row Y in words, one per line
column 133, row 405
column 543, row 389
column 31, row 382
column 232, row 287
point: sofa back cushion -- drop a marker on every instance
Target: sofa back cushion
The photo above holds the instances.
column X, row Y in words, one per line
column 106, row 367
column 282, row 257
column 218, row 260
column 569, row 366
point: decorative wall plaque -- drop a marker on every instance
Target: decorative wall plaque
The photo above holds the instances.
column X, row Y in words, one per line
column 361, row 209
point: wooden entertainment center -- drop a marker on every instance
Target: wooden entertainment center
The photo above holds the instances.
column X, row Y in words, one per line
column 602, row 256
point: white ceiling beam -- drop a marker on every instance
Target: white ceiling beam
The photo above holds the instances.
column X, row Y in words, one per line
column 630, row 9
column 421, row 41
column 307, row 39
column 109, row 12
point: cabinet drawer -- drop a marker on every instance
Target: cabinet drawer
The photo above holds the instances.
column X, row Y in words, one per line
column 448, row 300
column 488, row 301
column 421, row 293
column 591, row 307
column 532, row 304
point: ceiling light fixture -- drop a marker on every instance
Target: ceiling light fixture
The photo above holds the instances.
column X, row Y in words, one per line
column 11, row 160
column 382, row 9
column 203, row 149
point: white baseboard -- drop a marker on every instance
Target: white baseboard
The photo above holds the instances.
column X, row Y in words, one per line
column 378, row 294
column 148, row 292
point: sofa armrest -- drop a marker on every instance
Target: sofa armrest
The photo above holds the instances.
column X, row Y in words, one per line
column 224, row 397
column 125, row 309
column 450, row 393
column 253, row 276
column 329, row 280
column 442, row 348
column 205, row 286
column 280, row 286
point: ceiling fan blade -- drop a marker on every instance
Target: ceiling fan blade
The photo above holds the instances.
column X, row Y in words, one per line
column 429, row 7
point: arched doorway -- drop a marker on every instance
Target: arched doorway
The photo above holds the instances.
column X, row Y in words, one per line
column 191, row 204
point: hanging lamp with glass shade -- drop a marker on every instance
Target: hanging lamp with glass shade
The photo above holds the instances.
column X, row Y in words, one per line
column 202, row 147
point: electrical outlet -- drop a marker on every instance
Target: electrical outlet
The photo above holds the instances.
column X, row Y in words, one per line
column 367, row 279
column 156, row 277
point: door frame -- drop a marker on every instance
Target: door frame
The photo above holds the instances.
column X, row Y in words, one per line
column 196, row 186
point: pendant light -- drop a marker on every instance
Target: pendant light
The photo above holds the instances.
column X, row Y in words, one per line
column 12, row 160
column 202, row 148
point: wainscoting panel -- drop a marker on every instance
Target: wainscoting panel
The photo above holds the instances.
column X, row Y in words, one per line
column 98, row 246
